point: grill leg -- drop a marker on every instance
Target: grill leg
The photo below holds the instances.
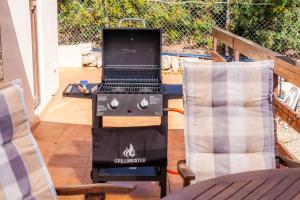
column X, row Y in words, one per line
column 100, row 196
column 94, row 175
column 163, row 173
column 163, row 181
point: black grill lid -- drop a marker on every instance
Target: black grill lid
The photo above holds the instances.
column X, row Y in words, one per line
column 130, row 51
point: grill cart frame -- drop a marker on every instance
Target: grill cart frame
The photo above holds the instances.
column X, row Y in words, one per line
column 131, row 65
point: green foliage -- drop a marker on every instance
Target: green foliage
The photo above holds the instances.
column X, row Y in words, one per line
column 275, row 25
column 188, row 23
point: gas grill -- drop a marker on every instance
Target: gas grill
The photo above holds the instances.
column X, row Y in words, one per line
column 131, row 86
column 131, row 80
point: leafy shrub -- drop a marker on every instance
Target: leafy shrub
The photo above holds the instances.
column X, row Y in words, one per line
column 275, row 25
column 82, row 20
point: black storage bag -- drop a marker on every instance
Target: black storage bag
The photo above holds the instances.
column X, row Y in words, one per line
column 129, row 146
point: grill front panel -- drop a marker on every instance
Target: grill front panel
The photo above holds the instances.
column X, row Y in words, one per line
column 129, row 104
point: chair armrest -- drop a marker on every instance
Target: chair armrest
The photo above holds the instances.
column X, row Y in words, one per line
column 94, row 189
column 185, row 172
column 288, row 162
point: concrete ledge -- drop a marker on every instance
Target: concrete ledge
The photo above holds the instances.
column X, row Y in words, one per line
column 69, row 56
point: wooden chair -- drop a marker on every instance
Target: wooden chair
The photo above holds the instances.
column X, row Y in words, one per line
column 229, row 120
column 216, row 57
column 23, row 173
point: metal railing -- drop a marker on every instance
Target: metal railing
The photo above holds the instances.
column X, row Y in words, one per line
column 186, row 25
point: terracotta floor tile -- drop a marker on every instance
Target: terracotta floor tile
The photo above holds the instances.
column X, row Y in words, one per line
column 90, row 160
column 73, row 150
column 144, row 189
column 47, row 150
column 50, row 125
column 176, row 154
column 128, row 197
column 87, row 176
column 49, row 133
column 111, row 197
column 78, row 129
column 69, row 140
column 70, row 111
column 119, row 197
column 176, row 183
column 48, row 140
column 175, row 120
column 172, row 78
column 70, row 161
column 76, row 197
column 175, row 148
column 62, row 176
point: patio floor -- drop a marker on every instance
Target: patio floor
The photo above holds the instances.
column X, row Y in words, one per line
column 65, row 140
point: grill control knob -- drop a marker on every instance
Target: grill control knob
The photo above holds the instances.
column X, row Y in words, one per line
column 144, row 103
column 114, row 103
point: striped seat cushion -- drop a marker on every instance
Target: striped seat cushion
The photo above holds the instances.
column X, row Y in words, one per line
column 229, row 125
column 23, row 173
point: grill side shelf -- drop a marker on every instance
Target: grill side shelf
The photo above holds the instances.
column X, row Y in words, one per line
column 72, row 90
column 171, row 91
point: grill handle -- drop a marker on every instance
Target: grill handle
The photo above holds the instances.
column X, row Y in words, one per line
column 132, row 19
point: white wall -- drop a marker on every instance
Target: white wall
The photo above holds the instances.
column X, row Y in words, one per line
column 48, row 49
column 21, row 19
column 17, row 47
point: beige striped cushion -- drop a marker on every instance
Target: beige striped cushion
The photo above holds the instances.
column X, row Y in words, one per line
column 23, row 173
column 228, row 117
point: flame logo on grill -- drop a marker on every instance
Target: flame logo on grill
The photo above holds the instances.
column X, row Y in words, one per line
column 129, row 152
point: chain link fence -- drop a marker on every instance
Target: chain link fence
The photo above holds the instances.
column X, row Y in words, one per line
column 186, row 25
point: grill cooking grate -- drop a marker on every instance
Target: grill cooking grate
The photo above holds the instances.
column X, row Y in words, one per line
column 132, row 72
column 130, row 87
column 131, row 79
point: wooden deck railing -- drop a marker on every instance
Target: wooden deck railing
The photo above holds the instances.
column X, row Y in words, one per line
column 285, row 67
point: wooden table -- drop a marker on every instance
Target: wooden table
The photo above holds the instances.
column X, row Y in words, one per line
column 281, row 184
